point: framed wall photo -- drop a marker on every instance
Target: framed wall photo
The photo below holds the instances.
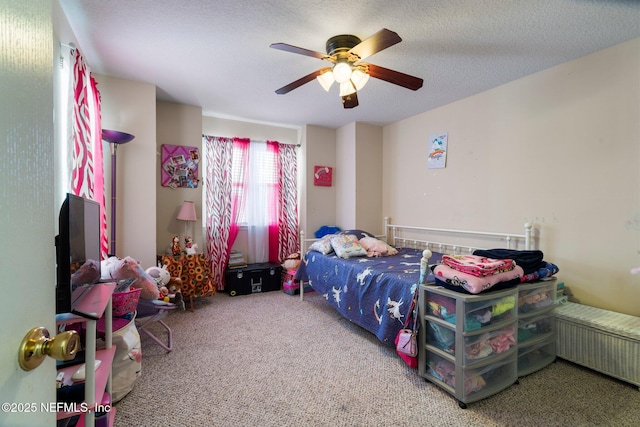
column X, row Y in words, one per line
column 322, row 176
column 179, row 166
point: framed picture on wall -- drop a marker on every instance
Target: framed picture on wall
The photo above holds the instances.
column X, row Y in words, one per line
column 179, row 166
column 322, row 176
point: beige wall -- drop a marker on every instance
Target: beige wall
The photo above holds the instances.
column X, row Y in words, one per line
column 217, row 126
column 560, row 149
column 358, row 177
column 130, row 107
column 318, row 204
column 368, row 166
column 344, row 177
column 177, row 124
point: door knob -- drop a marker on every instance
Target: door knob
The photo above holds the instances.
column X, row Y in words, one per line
column 36, row 345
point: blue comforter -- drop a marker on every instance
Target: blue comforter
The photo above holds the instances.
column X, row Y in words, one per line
column 374, row 293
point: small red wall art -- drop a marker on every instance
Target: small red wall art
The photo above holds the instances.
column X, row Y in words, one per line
column 322, row 176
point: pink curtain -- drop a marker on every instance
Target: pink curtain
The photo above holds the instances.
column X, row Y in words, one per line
column 238, row 193
column 274, row 205
column 224, row 200
column 283, row 203
column 226, row 178
column 87, row 175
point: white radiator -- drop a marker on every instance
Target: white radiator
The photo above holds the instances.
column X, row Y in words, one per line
column 599, row 339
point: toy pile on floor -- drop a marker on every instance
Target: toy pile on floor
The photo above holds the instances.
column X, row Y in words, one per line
column 290, row 285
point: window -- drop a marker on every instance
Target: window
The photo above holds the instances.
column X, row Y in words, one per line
column 261, row 181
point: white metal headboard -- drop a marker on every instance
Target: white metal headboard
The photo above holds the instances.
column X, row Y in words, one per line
column 511, row 240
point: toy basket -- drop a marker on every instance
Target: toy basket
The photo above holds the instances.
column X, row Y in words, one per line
column 125, row 302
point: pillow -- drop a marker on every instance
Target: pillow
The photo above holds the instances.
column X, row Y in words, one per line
column 358, row 233
column 375, row 247
column 323, row 245
column 347, row 246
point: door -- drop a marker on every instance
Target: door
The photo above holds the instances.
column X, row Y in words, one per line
column 27, row 211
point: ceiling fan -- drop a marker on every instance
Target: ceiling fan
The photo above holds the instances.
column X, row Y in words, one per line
column 346, row 52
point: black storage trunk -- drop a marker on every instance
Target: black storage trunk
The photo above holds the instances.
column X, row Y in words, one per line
column 254, row 278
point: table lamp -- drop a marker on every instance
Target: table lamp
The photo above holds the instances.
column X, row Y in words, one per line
column 188, row 214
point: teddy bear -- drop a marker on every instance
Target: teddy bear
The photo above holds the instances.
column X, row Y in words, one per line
column 161, row 276
column 115, row 268
column 169, row 292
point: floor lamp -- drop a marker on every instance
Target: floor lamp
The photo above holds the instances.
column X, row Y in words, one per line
column 114, row 138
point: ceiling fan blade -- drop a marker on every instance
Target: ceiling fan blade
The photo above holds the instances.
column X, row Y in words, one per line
column 299, row 50
column 395, row 77
column 350, row 101
column 302, row 80
column 374, row 44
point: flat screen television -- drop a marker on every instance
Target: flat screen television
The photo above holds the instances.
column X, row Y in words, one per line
column 77, row 250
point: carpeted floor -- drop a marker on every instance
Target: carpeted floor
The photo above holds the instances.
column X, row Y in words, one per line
column 270, row 360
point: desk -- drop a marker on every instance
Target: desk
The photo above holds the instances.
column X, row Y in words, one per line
column 194, row 273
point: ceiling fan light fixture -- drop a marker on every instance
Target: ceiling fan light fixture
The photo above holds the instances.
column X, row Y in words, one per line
column 326, row 79
column 347, row 88
column 346, row 52
column 342, row 72
column 359, row 79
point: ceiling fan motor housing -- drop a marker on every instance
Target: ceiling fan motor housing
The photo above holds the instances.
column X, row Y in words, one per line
column 342, row 44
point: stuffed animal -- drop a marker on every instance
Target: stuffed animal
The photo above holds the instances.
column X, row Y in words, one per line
column 174, row 268
column 159, row 274
column 167, row 285
column 190, row 247
column 87, row 273
column 175, row 246
column 376, row 248
column 128, row 268
column 292, row 261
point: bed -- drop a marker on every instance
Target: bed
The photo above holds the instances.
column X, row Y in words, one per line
column 376, row 292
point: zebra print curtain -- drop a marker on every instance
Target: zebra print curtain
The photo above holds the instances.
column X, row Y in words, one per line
column 225, row 201
column 288, row 242
column 87, row 174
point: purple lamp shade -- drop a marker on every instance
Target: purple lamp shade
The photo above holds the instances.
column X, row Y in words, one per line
column 116, row 137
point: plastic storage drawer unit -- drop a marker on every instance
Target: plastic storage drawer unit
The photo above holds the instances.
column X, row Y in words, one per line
column 535, row 327
column 468, row 343
column 480, row 346
column 477, row 383
column 536, row 296
column 532, row 358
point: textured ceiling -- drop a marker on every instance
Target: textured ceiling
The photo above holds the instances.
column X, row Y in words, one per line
column 216, row 55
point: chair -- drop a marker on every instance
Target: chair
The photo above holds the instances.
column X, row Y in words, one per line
column 150, row 312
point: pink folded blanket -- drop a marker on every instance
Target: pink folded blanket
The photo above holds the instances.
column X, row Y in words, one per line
column 478, row 265
column 471, row 283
